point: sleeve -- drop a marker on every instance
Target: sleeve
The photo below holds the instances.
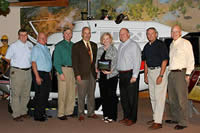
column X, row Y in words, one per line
column 34, row 54
column 57, row 60
column 164, row 52
column 75, row 60
column 9, row 52
column 189, row 57
column 114, row 59
column 137, row 61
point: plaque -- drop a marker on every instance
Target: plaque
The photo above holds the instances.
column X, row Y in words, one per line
column 104, row 65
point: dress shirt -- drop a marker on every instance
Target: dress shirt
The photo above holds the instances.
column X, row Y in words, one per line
column 85, row 42
column 62, row 55
column 41, row 55
column 181, row 55
column 111, row 54
column 155, row 53
column 129, row 57
column 20, row 54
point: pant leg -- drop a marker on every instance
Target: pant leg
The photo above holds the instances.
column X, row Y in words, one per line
column 82, row 89
column 26, row 88
column 173, row 102
column 70, row 91
column 90, row 95
column 15, row 92
column 61, row 96
column 112, row 98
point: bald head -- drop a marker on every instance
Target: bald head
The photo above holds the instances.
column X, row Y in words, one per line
column 42, row 38
column 124, row 34
column 176, row 32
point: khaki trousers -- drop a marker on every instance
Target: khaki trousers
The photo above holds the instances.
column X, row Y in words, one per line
column 157, row 93
column 20, row 90
column 66, row 92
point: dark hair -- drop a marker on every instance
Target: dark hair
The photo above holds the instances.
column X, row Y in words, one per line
column 22, row 30
column 152, row 28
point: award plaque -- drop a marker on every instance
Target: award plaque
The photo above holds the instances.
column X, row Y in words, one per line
column 104, row 65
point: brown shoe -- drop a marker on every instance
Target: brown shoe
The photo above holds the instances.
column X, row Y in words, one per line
column 150, row 122
column 155, row 126
column 94, row 116
column 26, row 116
column 19, row 118
column 123, row 121
column 81, row 118
column 129, row 123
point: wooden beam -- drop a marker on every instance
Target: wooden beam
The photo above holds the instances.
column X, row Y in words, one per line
column 46, row 3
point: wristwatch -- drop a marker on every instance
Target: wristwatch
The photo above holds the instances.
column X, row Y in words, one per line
column 160, row 75
column 187, row 74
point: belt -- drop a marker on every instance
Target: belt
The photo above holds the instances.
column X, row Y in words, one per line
column 125, row 71
column 66, row 66
column 178, row 70
column 24, row 69
column 152, row 68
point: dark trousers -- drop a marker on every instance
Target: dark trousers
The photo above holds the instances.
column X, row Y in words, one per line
column 129, row 95
column 41, row 94
column 108, row 97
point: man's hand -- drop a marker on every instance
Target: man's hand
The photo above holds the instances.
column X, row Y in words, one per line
column 39, row 80
column 62, row 77
column 133, row 79
column 106, row 72
column 146, row 79
column 187, row 78
column 78, row 78
column 159, row 80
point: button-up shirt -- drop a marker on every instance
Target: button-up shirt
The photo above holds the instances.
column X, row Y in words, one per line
column 41, row 55
column 62, row 55
column 19, row 54
column 129, row 57
column 155, row 53
column 181, row 55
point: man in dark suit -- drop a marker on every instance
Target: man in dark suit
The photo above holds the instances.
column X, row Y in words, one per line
column 83, row 62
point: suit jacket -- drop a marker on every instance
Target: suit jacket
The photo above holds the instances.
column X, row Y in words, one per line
column 81, row 60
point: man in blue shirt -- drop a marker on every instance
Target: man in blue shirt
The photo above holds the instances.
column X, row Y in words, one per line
column 128, row 65
column 41, row 65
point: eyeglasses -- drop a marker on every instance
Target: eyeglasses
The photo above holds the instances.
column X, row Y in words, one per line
column 4, row 40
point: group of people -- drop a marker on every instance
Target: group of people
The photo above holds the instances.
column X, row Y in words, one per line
column 77, row 68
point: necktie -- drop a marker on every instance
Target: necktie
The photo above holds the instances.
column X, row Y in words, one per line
column 89, row 52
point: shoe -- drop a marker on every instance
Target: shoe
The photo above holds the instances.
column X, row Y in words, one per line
column 18, row 119
column 155, row 126
column 94, row 116
column 104, row 118
column 179, row 127
column 129, row 123
column 150, row 122
column 123, row 120
column 62, row 118
column 42, row 119
column 108, row 120
column 171, row 122
column 81, row 118
column 26, row 116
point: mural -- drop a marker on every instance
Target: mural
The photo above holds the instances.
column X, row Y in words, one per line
column 53, row 19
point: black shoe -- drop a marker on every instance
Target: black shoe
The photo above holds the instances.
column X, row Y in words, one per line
column 179, row 127
column 42, row 119
column 63, row 117
column 171, row 122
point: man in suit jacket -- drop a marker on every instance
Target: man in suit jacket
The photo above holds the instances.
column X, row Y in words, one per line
column 83, row 62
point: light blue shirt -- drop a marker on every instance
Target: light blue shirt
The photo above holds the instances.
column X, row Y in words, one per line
column 129, row 57
column 19, row 54
column 41, row 55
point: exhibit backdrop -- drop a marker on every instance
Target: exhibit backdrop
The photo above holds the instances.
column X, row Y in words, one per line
column 169, row 12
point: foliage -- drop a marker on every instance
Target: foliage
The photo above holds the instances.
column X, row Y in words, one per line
column 4, row 7
column 198, row 27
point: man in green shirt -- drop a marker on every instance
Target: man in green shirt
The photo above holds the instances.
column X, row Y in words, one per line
column 65, row 75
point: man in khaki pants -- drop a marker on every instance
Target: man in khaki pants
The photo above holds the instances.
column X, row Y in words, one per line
column 19, row 57
column 65, row 75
